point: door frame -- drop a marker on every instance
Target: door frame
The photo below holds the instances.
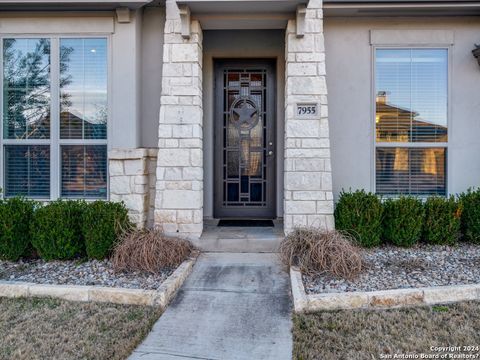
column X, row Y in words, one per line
column 268, row 212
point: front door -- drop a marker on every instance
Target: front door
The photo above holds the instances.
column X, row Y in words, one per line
column 244, row 139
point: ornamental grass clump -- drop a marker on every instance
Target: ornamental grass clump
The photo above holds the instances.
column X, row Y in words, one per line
column 317, row 251
column 149, row 250
column 360, row 214
column 57, row 230
column 470, row 218
column 442, row 221
column 103, row 223
column 403, row 221
column 16, row 215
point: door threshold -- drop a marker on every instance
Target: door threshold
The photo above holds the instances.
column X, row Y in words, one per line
column 245, row 223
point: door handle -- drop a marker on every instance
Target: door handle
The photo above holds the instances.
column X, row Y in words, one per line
column 270, row 153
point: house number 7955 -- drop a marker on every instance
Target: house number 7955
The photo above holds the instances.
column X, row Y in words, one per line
column 305, row 110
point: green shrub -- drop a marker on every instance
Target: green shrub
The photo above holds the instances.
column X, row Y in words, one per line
column 470, row 218
column 57, row 230
column 403, row 220
column 442, row 221
column 360, row 214
column 102, row 223
column 16, row 215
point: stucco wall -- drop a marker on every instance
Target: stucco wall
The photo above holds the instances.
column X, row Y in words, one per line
column 239, row 44
column 152, row 55
column 350, row 96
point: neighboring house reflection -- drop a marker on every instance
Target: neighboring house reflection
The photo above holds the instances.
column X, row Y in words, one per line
column 409, row 170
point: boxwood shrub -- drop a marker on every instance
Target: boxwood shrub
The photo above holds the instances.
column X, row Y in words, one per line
column 403, row 220
column 442, row 220
column 16, row 215
column 470, row 218
column 57, row 230
column 360, row 214
column 102, row 223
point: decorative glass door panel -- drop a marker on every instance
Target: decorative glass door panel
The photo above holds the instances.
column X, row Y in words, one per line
column 244, row 140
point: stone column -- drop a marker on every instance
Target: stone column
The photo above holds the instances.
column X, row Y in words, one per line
column 179, row 187
column 131, row 179
column 308, row 178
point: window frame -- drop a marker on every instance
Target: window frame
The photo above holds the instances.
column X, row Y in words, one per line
column 55, row 142
column 373, row 131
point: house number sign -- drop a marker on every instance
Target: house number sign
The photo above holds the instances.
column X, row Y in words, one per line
column 307, row 110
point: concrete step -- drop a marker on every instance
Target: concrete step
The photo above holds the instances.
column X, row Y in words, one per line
column 240, row 239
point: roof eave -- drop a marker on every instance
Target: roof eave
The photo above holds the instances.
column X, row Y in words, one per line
column 74, row 5
column 401, row 8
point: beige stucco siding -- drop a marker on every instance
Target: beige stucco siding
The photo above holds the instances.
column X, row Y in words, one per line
column 152, row 55
column 349, row 60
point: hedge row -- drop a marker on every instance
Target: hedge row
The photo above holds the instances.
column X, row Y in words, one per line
column 407, row 220
column 63, row 229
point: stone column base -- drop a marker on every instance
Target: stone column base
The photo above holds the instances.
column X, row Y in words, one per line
column 132, row 180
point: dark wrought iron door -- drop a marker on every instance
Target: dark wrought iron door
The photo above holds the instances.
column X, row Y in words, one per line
column 244, row 139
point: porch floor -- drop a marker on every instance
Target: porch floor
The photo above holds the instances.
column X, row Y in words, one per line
column 240, row 239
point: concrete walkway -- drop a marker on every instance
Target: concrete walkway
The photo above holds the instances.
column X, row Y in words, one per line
column 233, row 306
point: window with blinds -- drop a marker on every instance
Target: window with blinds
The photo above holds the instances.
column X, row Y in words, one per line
column 27, row 171
column 411, row 121
column 84, row 171
column 36, row 162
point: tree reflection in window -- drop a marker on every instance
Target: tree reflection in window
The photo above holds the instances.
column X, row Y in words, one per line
column 26, row 88
column 83, row 88
column 27, row 104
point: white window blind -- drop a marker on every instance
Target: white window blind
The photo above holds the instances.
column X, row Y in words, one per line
column 34, row 158
column 27, row 170
column 84, row 171
column 411, row 121
column 414, row 171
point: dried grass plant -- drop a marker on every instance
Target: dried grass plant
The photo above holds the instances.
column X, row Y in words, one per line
column 317, row 251
column 149, row 250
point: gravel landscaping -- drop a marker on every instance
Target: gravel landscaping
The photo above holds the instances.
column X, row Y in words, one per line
column 79, row 273
column 391, row 267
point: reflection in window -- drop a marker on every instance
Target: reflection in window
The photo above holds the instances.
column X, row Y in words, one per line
column 31, row 157
column 27, row 171
column 83, row 88
column 411, row 108
column 413, row 171
column 84, row 171
column 411, row 95
column 26, row 88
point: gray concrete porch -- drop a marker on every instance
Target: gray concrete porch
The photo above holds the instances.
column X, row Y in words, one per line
column 240, row 239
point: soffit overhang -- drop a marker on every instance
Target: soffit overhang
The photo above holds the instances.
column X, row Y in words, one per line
column 242, row 14
column 334, row 8
column 73, row 5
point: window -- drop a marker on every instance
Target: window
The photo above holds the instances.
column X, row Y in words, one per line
column 411, row 135
column 55, row 110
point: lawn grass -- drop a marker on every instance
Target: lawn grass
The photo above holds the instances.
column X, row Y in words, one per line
column 361, row 334
column 55, row 329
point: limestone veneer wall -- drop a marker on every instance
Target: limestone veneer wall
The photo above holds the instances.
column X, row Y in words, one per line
column 132, row 180
column 179, row 183
column 308, row 174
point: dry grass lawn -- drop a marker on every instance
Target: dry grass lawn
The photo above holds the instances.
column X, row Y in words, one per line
column 370, row 334
column 54, row 329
